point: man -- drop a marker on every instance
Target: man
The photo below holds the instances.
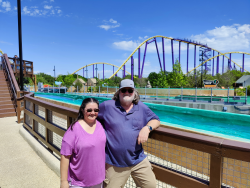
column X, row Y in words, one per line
column 127, row 122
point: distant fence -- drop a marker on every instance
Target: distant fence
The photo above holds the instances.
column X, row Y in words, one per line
column 179, row 159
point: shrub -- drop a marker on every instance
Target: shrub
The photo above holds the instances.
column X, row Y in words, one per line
column 79, row 84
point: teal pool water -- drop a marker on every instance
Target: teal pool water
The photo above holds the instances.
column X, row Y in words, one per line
column 222, row 124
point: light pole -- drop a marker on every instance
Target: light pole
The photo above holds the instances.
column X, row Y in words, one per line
column 20, row 42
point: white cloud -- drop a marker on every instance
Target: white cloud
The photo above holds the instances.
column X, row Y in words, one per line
column 34, row 7
column 52, row 1
column 126, row 45
column 52, row 12
column 145, row 37
column 25, row 10
column 48, row 7
column 15, row 8
column 227, row 38
column 59, row 11
column 6, row 5
column 113, row 21
column 113, row 24
column 107, row 27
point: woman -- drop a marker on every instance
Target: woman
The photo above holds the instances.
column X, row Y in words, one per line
column 83, row 149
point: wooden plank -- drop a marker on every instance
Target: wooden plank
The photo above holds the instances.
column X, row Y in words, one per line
column 42, row 140
column 176, row 179
column 215, row 171
column 48, row 125
column 183, row 139
column 53, row 107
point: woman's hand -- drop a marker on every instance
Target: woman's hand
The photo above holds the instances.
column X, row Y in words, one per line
column 64, row 184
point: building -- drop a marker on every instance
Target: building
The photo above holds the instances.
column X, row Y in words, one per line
column 81, row 80
column 244, row 81
column 91, row 82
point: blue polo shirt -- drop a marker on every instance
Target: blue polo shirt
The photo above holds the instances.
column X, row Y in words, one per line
column 122, row 130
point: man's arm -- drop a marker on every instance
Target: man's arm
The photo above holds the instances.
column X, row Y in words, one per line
column 143, row 134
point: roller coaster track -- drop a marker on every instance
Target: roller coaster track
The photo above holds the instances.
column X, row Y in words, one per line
column 218, row 56
column 1, row 52
column 169, row 39
column 99, row 63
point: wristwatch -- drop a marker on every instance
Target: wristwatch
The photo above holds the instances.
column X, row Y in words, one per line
column 150, row 128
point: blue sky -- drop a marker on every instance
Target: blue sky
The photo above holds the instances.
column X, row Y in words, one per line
column 72, row 34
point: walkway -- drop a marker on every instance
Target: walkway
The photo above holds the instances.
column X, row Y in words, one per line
column 20, row 166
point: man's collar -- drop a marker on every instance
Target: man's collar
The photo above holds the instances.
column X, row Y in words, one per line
column 118, row 105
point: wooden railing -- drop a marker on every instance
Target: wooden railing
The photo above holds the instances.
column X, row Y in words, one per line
column 27, row 66
column 180, row 159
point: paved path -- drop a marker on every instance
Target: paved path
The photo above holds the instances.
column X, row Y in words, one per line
column 20, row 166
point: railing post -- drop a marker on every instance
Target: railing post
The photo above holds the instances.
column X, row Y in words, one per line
column 228, row 95
column 99, row 90
column 145, row 92
column 107, row 91
column 246, row 95
column 77, row 89
column 215, row 170
column 211, row 95
column 53, row 88
column 156, row 92
column 115, row 88
column 195, row 94
column 181, row 92
column 48, row 88
column 71, row 89
column 168, row 92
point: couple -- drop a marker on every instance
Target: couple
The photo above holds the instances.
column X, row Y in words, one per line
column 127, row 123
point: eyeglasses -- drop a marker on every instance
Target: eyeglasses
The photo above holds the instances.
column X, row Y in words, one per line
column 95, row 110
column 123, row 90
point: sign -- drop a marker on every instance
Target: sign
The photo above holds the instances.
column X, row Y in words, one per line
column 210, row 83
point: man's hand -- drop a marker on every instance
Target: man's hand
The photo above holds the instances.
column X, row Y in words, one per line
column 143, row 135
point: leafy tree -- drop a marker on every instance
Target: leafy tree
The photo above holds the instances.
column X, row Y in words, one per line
column 176, row 77
column 158, row 80
column 78, row 84
column 69, row 79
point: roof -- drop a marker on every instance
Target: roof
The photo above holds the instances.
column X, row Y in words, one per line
column 81, row 80
column 243, row 79
column 92, row 80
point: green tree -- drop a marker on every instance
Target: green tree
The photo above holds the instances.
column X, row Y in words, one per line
column 69, row 79
column 176, row 77
column 158, row 80
column 78, row 84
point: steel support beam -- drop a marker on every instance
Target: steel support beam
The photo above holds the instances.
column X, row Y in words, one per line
column 93, row 71
column 83, row 72
column 124, row 71
column 132, row 68
column 213, row 65
column 195, row 61
column 230, row 57
column 187, row 55
column 163, row 52
column 223, row 64
column 139, row 52
column 218, row 65
column 243, row 63
column 172, row 50
column 180, row 52
column 158, row 54
column 103, row 71
column 145, row 51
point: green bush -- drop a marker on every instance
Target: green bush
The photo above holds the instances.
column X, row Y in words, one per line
column 241, row 92
column 79, row 84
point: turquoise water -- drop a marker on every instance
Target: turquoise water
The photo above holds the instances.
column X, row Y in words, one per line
column 222, row 124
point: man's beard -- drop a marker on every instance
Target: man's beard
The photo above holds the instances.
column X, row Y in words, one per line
column 127, row 99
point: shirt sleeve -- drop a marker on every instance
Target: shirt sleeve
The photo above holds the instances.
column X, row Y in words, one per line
column 150, row 114
column 68, row 142
column 100, row 117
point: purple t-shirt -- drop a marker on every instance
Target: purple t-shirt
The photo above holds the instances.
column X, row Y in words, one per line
column 87, row 161
column 122, row 130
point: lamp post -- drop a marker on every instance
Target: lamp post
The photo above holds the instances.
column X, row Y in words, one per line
column 20, row 42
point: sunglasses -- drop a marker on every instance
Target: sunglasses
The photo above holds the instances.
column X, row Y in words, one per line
column 95, row 110
column 123, row 90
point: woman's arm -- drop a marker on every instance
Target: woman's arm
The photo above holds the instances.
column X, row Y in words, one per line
column 64, row 166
